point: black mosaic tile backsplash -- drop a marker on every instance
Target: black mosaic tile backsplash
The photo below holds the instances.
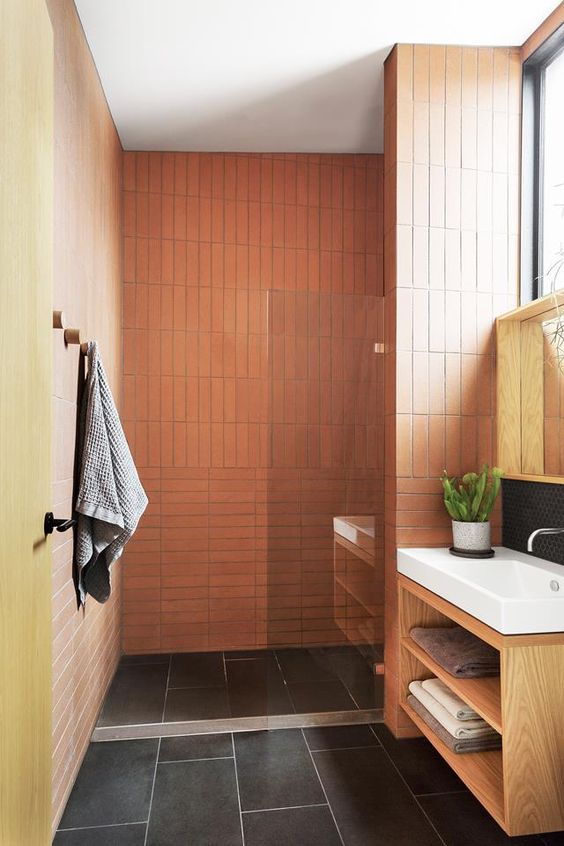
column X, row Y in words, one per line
column 528, row 506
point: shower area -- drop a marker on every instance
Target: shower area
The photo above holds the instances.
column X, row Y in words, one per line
column 253, row 402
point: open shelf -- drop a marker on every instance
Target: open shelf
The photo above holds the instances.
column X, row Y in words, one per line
column 483, row 695
column 482, row 772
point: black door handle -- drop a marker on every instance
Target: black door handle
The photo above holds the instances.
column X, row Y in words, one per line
column 61, row 525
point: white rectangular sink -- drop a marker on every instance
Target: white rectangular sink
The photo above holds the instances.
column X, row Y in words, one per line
column 513, row 593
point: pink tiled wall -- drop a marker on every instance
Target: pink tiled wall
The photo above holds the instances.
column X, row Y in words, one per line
column 87, row 287
column 253, row 399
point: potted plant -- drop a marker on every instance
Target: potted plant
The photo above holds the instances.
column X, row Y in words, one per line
column 470, row 501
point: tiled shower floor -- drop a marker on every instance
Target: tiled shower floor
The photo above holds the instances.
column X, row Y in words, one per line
column 156, row 689
column 331, row 786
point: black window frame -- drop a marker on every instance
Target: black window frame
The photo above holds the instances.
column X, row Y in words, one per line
column 532, row 163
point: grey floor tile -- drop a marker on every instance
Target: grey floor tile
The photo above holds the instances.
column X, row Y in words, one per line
column 421, row 766
column 196, row 746
column 371, row 803
column 312, row 826
column 197, row 669
column 309, row 697
column 112, row 835
column 305, row 665
column 256, row 687
column 275, row 770
column 113, row 785
column 136, row 695
column 555, row 838
column 196, row 703
column 462, row 821
column 339, row 737
column 356, row 673
column 195, row 804
column 151, row 658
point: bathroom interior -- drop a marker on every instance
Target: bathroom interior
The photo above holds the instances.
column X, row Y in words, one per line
column 292, row 275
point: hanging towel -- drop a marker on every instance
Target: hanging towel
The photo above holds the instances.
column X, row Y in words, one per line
column 458, row 651
column 457, row 728
column 110, row 496
column 479, row 744
column 449, row 700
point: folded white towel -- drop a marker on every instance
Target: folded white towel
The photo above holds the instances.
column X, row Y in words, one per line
column 110, row 497
column 457, row 728
column 449, row 700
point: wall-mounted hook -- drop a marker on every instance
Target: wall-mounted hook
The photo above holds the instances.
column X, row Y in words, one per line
column 50, row 523
column 59, row 321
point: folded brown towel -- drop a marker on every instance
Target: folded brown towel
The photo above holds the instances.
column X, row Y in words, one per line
column 459, row 652
column 459, row 746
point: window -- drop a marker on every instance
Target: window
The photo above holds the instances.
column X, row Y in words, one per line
column 542, row 232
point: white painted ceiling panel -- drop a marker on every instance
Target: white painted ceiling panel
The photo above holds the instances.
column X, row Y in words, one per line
column 255, row 75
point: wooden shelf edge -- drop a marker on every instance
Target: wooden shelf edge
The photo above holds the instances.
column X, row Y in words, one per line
column 465, row 688
column 481, row 772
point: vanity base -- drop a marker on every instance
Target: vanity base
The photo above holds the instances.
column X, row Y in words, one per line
column 521, row 785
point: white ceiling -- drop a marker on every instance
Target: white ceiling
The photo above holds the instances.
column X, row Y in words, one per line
column 258, row 75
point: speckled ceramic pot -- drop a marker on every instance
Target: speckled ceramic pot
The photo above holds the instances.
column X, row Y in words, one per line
column 471, row 537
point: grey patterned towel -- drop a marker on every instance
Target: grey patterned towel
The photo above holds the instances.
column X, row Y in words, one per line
column 110, row 497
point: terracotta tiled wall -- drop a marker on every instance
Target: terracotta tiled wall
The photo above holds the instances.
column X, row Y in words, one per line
column 253, row 397
column 452, row 130
column 87, row 286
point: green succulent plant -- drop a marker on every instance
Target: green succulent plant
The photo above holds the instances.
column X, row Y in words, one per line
column 470, row 499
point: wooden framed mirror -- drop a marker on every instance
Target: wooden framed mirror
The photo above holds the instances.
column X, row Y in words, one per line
column 530, row 390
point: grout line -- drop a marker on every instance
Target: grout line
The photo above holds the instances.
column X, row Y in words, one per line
column 419, row 805
column 166, row 687
column 104, row 825
column 152, row 792
column 346, row 748
column 190, row 760
column 238, row 791
column 323, row 788
column 286, row 808
column 443, row 792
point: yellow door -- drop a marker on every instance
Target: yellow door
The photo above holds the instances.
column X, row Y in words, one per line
column 26, row 239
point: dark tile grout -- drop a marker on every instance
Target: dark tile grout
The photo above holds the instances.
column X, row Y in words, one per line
column 153, row 788
column 237, row 782
column 322, row 787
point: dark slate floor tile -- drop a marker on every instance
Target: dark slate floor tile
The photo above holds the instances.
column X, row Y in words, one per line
column 372, row 805
column 153, row 658
column 461, row 821
column 369, row 693
column 305, row 665
column 196, row 746
column 136, row 695
column 196, row 703
column 321, row 696
column 275, row 770
column 195, row 802
column 112, row 835
column 312, row 826
column 113, row 785
column 356, row 673
column 256, row 687
column 555, row 838
column 339, row 737
column 197, row 669
column 421, row 766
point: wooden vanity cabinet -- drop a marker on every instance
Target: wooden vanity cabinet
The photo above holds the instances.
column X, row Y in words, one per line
column 522, row 784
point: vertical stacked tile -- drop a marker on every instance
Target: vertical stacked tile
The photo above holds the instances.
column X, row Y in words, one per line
column 252, row 395
column 87, row 286
column 452, row 131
